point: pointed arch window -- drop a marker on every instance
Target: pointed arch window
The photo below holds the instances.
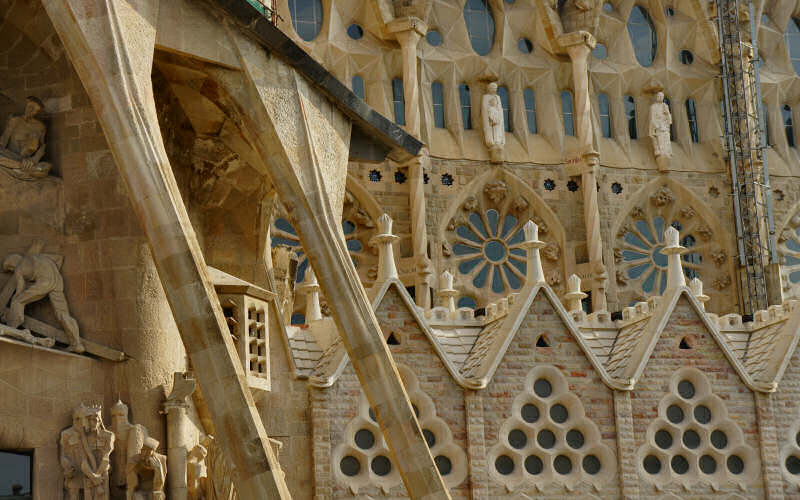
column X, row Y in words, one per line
column 530, row 109
column 792, row 38
column 466, row 106
column 643, row 36
column 691, row 116
column 630, row 115
column 358, row 87
column 306, row 18
column 502, row 91
column 480, row 25
column 437, row 95
column 788, row 126
column 566, row 112
column 604, row 107
column 398, row 101
column 671, row 125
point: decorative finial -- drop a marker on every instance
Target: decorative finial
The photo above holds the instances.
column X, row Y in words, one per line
column 447, row 293
column 534, row 274
column 673, row 250
column 697, row 290
column 574, row 294
column 385, row 239
column 310, row 288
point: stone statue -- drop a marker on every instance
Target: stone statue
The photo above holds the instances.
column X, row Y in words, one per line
column 494, row 130
column 196, row 480
column 146, row 472
column 72, row 456
column 97, row 443
column 22, row 144
column 37, row 276
column 219, row 472
column 659, row 131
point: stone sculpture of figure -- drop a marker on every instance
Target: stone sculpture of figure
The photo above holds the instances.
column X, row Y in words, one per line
column 22, row 144
column 219, row 472
column 196, row 480
column 97, row 443
column 72, row 456
column 494, row 129
column 37, row 276
column 659, row 131
column 146, row 472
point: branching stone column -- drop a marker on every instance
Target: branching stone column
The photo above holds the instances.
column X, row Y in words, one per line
column 408, row 31
column 579, row 45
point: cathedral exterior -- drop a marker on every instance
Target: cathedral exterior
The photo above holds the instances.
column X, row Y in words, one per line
column 374, row 249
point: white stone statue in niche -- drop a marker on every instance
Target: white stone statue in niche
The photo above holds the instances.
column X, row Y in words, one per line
column 659, row 131
column 85, row 458
column 22, row 144
column 494, row 130
column 147, row 471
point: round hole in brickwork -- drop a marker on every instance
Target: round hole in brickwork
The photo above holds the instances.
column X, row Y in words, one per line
column 562, row 464
column 530, row 413
column 549, row 184
column 616, row 188
column 399, row 177
column 691, row 439
column 652, row 465
column 504, row 465
column 381, row 465
column 375, row 175
column 542, row 388
column 707, row 464
column 663, row 439
column 430, row 437
column 735, row 464
column 546, row 439
column 444, row 464
column 534, row 465
column 793, row 464
column 702, row 414
column 575, row 439
column 679, row 464
column 365, row 439
column 350, row 466
column 686, row 389
column 675, row 414
column 591, row 464
column 719, row 439
column 517, row 439
column 572, row 186
column 559, row 413
column 447, row 180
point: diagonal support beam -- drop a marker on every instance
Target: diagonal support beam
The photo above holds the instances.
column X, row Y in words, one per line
column 304, row 143
column 111, row 43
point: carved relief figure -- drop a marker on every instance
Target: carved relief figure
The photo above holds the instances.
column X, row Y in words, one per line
column 147, row 472
column 660, row 122
column 22, row 144
column 196, row 480
column 97, row 444
column 72, row 456
column 494, row 131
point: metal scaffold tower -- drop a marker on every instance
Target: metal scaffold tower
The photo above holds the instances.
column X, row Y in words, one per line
column 745, row 140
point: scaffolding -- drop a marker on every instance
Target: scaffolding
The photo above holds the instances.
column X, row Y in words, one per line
column 745, row 141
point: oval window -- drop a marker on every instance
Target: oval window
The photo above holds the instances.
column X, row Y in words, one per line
column 480, row 25
column 643, row 36
column 306, row 18
column 355, row 32
column 434, row 38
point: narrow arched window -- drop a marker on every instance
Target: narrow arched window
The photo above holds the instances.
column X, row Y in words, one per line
column 691, row 116
column 792, row 37
column 787, row 125
column 306, row 18
column 480, row 25
column 671, row 125
column 566, row 112
column 630, row 115
column 398, row 101
column 358, row 87
column 604, row 107
column 437, row 95
column 530, row 109
column 502, row 92
column 766, row 135
column 466, row 106
column 643, row 36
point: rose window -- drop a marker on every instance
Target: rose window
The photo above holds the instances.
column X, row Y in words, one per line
column 489, row 252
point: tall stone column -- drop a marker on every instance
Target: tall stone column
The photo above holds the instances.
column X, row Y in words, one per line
column 419, row 229
column 176, row 407
column 408, row 31
column 579, row 45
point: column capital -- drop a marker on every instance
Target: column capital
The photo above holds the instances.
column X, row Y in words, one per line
column 577, row 43
column 407, row 29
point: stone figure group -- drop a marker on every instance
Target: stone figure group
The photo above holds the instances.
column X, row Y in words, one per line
column 22, row 144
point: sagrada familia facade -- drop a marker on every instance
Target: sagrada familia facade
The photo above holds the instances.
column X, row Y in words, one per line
column 387, row 249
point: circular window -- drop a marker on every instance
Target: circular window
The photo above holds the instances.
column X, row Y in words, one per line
column 793, row 464
column 444, row 464
column 559, row 413
column 525, row 45
column 381, row 465
column 675, row 414
column 702, row 414
column 504, row 465
column 652, row 464
column 686, row 389
column 355, row 31
column 663, row 439
column 517, row 439
column 495, row 251
column 365, row 439
column 549, row 184
column 735, row 464
column 707, row 464
column 533, row 465
column 616, row 188
column 434, row 38
column 530, row 413
column 575, row 439
column 430, row 437
column 542, row 388
column 719, row 439
column 591, row 464
column 600, row 51
column 608, row 7
column 686, row 57
column 350, row 466
column 679, row 464
column 562, row 464
column 546, row 439
column 691, row 439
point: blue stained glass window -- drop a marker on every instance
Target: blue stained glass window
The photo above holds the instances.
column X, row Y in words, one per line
column 604, row 107
column 600, row 51
column 358, row 87
column 787, row 125
column 398, row 101
column 691, row 115
column 16, row 472
column 355, row 31
column 630, row 114
column 792, row 37
column 306, row 18
column 480, row 25
column 434, row 38
column 530, row 109
column 525, row 45
column 502, row 92
column 466, row 106
column 566, row 111
column 643, row 36
column 467, row 302
column 437, row 94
